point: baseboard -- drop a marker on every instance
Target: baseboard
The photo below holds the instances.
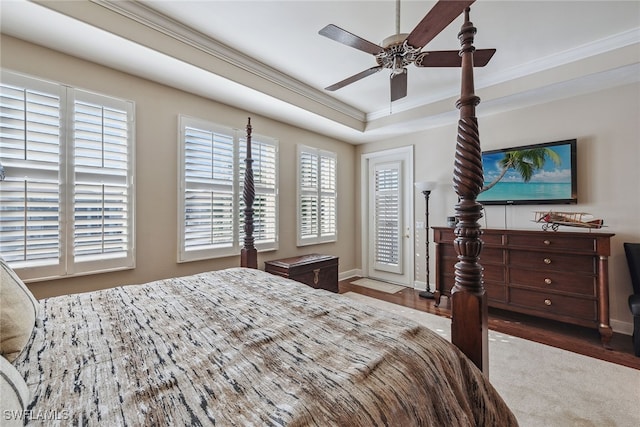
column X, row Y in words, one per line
column 422, row 286
column 621, row 327
column 356, row 272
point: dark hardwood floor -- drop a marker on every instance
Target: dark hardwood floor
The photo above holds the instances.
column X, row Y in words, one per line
column 568, row 337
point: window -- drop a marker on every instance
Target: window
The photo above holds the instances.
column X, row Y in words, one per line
column 66, row 203
column 317, row 197
column 211, row 176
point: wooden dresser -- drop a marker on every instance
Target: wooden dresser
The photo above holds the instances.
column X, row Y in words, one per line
column 316, row 270
column 556, row 275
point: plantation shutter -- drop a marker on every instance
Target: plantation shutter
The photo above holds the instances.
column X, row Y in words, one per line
column 327, row 196
column 387, row 199
column 67, row 199
column 30, row 206
column 264, row 152
column 209, row 193
column 317, row 197
column 308, row 205
column 102, row 199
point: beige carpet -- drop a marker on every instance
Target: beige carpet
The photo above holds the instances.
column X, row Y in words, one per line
column 546, row 386
column 379, row 286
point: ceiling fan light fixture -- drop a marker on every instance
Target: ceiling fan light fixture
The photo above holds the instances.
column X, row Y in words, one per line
column 394, row 39
column 393, row 53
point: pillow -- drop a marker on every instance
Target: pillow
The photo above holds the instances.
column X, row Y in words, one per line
column 19, row 311
column 15, row 395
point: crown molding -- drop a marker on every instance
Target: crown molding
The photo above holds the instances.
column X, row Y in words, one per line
column 150, row 18
column 584, row 51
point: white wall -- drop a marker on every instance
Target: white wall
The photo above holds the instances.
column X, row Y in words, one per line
column 607, row 128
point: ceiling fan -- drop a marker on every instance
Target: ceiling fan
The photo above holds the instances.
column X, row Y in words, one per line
column 402, row 49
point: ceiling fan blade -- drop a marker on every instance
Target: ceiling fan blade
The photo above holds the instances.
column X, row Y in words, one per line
column 399, row 85
column 354, row 78
column 451, row 58
column 436, row 20
column 349, row 39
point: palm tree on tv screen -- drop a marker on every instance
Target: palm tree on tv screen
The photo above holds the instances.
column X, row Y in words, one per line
column 525, row 162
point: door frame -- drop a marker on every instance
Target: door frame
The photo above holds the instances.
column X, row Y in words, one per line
column 408, row 197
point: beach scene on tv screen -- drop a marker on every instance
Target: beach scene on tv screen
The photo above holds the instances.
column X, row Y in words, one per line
column 551, row 181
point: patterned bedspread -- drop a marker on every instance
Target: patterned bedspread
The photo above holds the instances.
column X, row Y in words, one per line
column 241, row 347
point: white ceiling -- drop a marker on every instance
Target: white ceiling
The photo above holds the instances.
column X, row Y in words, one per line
column 267, row 57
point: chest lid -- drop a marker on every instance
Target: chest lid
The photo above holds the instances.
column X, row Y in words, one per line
column 302, row 261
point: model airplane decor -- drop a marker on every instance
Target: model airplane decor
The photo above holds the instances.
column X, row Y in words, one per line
column 554, row 220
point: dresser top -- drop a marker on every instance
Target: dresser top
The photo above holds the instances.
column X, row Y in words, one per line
column 567, row 233
column 587, row 243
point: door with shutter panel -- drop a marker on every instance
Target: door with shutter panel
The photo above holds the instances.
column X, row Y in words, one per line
column 389, row 236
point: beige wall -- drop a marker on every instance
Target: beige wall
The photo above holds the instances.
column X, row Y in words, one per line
column 607, row 128
column 157, row 110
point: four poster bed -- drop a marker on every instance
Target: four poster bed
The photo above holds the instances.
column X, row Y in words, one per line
column 243, row 347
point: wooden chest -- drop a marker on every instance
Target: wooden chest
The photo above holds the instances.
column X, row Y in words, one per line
column 316, row 270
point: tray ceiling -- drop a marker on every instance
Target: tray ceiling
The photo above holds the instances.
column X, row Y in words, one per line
column 267, row 56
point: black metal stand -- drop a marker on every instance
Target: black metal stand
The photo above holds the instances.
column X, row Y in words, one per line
column 427, row 294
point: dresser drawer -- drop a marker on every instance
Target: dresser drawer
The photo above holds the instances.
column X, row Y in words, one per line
column 493, row 272
column 549, row 303
column 582, row 284
column 492, row 239
column 492, row 255
column 443, row 235
column 496, row 292
column 553, row 242
column 448, row 235
column 552, row 261
column 487, row 256
column 447, row 251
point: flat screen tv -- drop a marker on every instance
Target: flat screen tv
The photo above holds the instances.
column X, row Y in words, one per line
column 531, row 175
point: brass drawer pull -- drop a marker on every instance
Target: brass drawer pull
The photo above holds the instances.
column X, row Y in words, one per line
column 316, row 273
column 547, row 302
column 547, row 242
column 547, row 281
column 547, row 260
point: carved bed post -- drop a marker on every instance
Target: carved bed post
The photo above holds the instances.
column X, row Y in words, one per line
column 248, row 254
column 468, row 298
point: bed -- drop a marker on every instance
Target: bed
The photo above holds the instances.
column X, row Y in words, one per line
column 243, row 347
